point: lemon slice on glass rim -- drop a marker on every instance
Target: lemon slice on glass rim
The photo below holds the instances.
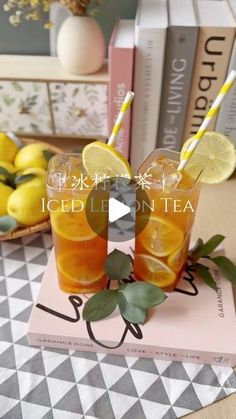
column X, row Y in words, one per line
column 215, row 157
column 103, row 160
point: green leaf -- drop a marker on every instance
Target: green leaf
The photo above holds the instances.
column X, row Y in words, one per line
column 131, row 313
column 35, row 128
column 212, row 243
column 197, row 246
column 4, row 171
column 142, row 294
column 48, row 154
column 227, row 267
column 8, row 100
column 7, row 224
column 23, row 178
column 205, row 249
column 205, row 274
column 8, row 177
column 17, row 86
column 100, row 305
column 117, row 265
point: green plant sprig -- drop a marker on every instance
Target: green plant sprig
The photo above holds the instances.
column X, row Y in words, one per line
column 203, row 251
column 133, row 299
column 14, row 179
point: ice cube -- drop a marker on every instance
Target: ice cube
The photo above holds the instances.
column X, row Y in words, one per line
column 161, row 171
column 64, row 169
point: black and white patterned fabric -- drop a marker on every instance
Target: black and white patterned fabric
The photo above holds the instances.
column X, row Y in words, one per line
column 49, row 383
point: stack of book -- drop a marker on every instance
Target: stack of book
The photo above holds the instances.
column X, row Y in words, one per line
column 175, row 56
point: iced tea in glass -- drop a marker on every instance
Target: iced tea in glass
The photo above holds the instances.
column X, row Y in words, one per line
column 161, row 248
column 80, row 252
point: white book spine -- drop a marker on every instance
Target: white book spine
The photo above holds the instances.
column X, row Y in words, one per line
column 149, row 61
column 226, row 122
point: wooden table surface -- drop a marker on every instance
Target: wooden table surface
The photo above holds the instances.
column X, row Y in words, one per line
column 216, row 214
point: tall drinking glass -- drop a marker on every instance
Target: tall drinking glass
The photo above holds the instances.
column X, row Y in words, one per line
column 80, row 252
column 161, row 249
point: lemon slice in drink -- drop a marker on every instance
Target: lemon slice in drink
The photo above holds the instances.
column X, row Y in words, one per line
column 177, row 258
column 214, row 156
column 153, row 270
column 72, row 225
column 77, row 267
column 103, row 160
column 160, row 237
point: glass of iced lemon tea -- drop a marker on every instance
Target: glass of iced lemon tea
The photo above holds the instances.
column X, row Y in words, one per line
column 80, row 252
column 161, row 248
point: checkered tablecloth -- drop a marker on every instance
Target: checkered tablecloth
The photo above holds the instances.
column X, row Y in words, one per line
column 60, row 384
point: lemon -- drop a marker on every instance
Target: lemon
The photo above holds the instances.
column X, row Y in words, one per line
column 101, row 159
column 37, row 171
column 177, row 259
column 214, row 156
column 5, row 193
column 8, row 166
column 8, row 148
column 25, row 205
column 72, row 225
column 31, row 155
column 153, row 270
column 76, row 266
column 38, row 180
column 161, row 237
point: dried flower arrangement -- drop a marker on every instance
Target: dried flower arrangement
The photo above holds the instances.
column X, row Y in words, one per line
column 34, row 9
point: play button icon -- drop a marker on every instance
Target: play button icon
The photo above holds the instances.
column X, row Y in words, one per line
column 117, row 210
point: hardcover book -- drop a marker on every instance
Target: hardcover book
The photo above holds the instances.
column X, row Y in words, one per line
column 195, row 324
column 181, row 45
column 215, row 41
column 226, row 121
column 150, row 36
column 120, row 64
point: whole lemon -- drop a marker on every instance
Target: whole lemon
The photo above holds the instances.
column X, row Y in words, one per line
column 8, row 166
column 38, row 180
column 31, row 155
column 8, row 148
column 5, row 192
column 38, row 171
column 25, row 205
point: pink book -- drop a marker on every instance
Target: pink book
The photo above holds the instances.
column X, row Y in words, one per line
column 120, row 64
column 194, row 324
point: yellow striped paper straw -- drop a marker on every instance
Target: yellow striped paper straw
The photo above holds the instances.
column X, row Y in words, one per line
column 210, row 114
column 125, row 106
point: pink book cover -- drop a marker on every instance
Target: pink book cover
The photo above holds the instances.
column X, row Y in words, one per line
column 120, row 66
column 194, row 324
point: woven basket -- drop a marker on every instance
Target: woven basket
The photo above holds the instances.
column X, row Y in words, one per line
column 45, row 225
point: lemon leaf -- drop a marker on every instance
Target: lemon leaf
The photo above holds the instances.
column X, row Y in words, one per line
column 227, row 267
column 143, row 294
column 23, row 178
column 117, row 265
column 131, row 313
column 7, row 224
column 205, row 274
column 4, row 171
column 8, row 177
column 100, row 305
column 205, row 249
column 48, row 154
